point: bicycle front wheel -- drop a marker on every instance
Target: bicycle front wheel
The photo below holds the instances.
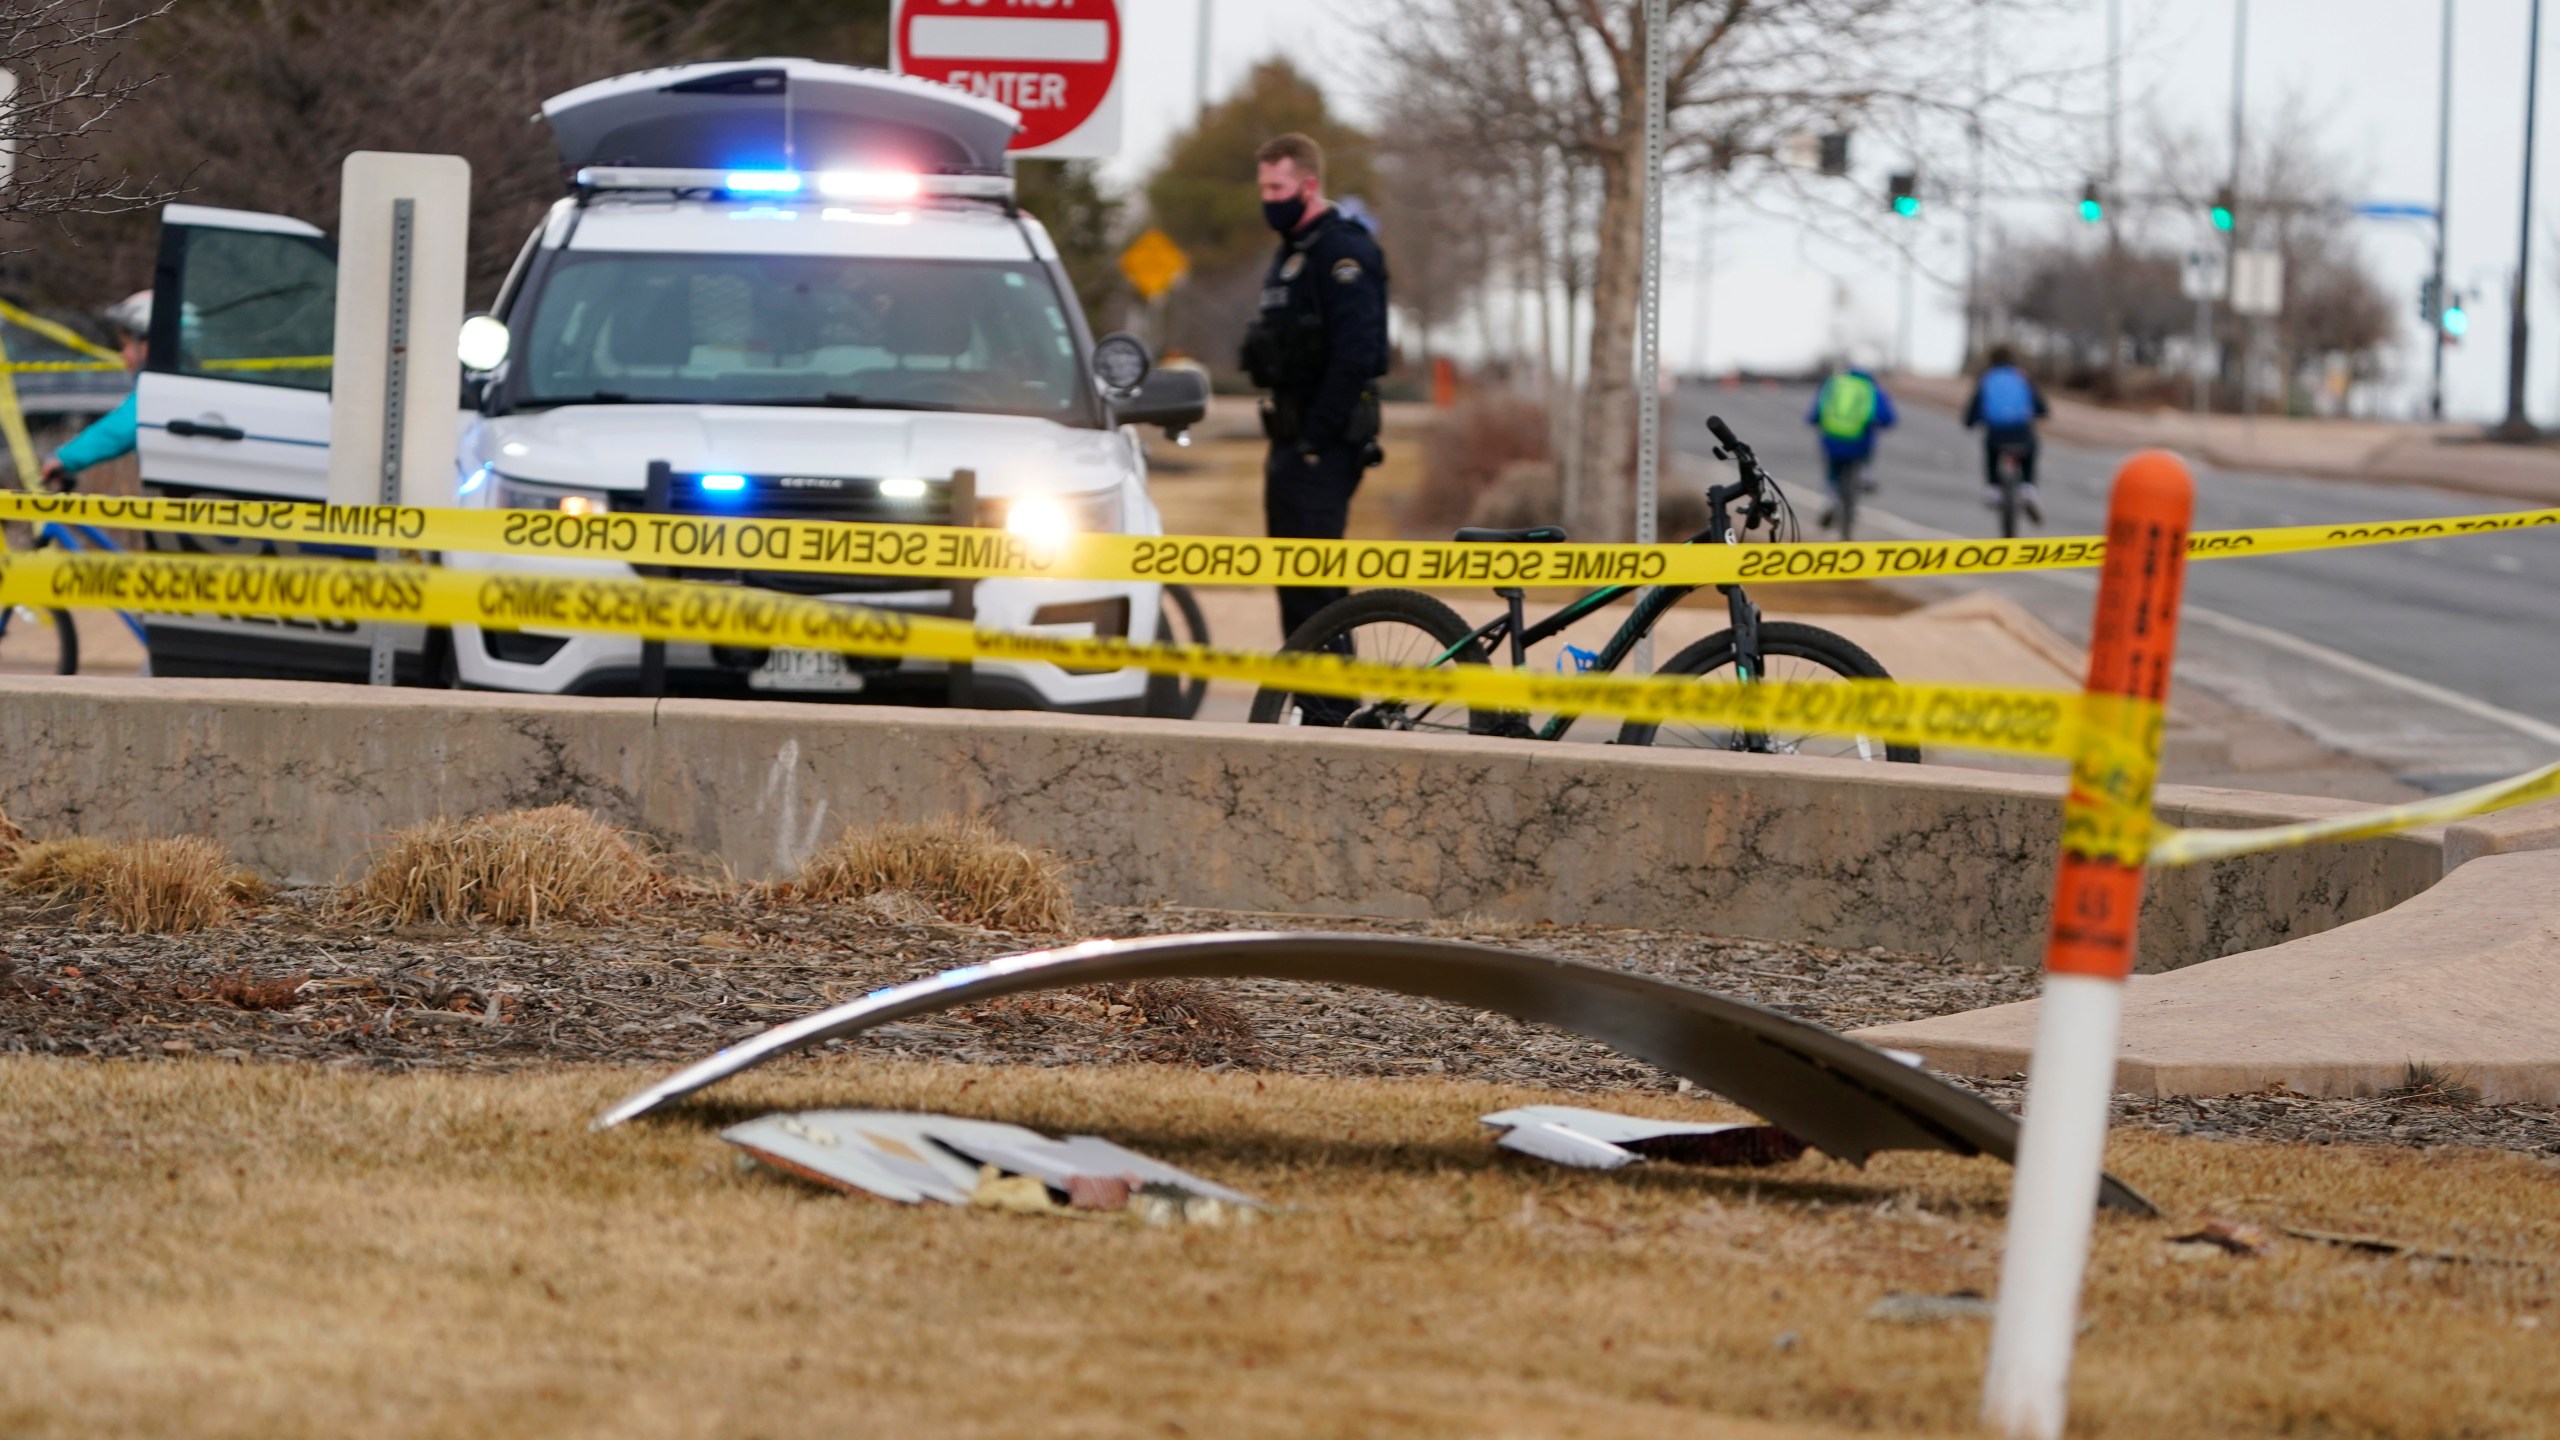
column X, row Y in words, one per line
column 38, row 642
column 1386, row 627
column 1788, row 652
column 2008, row 498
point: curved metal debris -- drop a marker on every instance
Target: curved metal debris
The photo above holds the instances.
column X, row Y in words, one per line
column 1846, row 1099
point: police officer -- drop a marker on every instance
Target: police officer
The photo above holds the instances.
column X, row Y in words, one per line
column 1318, row 345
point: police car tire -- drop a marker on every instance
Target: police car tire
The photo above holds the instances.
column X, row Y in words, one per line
column 1832, row 652
column 1178, row 697
column 1378, row 607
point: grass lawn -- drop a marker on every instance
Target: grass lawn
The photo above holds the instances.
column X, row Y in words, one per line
column 211, row 1249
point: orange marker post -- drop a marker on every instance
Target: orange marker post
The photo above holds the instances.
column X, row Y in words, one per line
column 2106, row 832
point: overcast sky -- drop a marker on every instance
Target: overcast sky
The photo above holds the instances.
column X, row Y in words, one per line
column 1783, row 289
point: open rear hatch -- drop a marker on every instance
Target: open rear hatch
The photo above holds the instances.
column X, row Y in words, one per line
column 779, row 114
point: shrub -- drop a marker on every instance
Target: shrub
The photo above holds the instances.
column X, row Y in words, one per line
column 961, row 867
column 556, row 865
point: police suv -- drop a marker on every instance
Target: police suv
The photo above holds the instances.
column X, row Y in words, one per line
column 782, row 289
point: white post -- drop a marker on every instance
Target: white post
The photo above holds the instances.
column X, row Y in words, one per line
column 1649, row 358
column 396, row 398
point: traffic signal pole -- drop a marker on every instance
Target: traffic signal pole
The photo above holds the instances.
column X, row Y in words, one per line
column 2516, row 426
column 2444, row 170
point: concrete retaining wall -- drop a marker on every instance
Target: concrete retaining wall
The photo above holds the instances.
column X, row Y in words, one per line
column 301, row 779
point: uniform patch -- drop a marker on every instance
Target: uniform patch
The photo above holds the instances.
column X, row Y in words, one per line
column 1346, row 270
column 1290, row 267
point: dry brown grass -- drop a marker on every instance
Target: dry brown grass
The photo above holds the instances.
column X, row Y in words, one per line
column 556, row 865
column 216, row 1250
column 960, row 866
column 158, row 886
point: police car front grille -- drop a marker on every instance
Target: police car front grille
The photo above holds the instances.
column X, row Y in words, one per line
column 856, row 500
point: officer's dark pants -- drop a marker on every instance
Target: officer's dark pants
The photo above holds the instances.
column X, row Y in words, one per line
column 1308, row 502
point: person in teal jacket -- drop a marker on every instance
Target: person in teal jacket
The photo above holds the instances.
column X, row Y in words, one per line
column 113, row 433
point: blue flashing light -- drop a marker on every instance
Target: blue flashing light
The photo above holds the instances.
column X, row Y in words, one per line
column 764, row 182
column 472, row 482
column 724, row 484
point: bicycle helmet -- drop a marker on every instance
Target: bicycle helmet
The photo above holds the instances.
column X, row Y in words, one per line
column 132, row 314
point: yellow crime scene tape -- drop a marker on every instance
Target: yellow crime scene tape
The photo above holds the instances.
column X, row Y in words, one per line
column 2195, row 847
column 972, row 553
column 2044, row 723
column 2014, row 721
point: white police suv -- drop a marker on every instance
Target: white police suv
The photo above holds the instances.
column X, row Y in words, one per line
column 775, row 288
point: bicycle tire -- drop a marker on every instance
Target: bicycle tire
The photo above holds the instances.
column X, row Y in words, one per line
column 2008, row 497
column 1779, row 639
column 1852, row 479
column 1431, row 628
column 64, row 652
column 1179, row 622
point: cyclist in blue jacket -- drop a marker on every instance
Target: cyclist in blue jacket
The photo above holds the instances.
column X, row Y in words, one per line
column 1848, row 410
column 112, row 434
column 2007, row 405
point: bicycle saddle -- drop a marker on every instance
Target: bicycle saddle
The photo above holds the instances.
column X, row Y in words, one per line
column 1534, row 535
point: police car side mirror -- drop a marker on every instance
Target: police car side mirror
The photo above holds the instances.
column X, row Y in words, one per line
column 1121, row 364
column 1176, row 398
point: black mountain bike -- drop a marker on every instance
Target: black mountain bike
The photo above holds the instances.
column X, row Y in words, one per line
column 2011, row 463
column 1407, row 627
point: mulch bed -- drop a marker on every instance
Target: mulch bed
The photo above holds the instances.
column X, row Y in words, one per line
column 294, row 982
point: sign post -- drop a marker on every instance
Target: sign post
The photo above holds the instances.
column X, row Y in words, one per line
column 1056, row 61
column 1649, row 341
column 394, row 414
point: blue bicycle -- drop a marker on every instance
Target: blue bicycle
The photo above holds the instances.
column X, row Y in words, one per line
column 33, row 638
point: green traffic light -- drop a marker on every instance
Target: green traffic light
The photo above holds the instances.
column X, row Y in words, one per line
column 1906, row 205
column 2222, row 217
column 2092, row 211
column 2456, row 324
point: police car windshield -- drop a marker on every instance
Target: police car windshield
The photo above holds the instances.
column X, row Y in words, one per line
column 726, row 329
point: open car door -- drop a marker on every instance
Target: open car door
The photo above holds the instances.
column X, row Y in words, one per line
column 234, row 399
column 234, row 403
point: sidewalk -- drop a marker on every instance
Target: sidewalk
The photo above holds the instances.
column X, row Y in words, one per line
column 2449, row 457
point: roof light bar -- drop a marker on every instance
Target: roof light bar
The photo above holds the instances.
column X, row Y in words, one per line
column 857, row 185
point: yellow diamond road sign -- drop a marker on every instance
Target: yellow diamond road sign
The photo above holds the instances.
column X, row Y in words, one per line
column 1154, row 264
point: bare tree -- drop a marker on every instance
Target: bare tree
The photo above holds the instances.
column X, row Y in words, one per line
column 2293, row 199
column 68, row 59
column 1564, row 79
column 264, row 98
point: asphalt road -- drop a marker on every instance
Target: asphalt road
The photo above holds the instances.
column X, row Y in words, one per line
column 2434, row 658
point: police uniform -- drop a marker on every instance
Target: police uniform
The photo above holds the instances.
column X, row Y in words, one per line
column 1318, row 345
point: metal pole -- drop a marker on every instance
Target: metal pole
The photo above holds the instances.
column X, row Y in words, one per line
column 1902, row 329
column 2112, row 279
column 2516, row 425
column 2239, row 92
column 2444, row 172
column 1649, row 345
column 383, row 666
column 1973, row 205
column 1200, row 60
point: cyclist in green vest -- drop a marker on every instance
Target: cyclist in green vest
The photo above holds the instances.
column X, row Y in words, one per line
column 1848, row 410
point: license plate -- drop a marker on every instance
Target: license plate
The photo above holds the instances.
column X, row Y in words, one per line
column 805, row 670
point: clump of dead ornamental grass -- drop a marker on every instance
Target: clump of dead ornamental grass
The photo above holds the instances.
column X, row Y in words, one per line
column 163, row 885
column 555, row 865
column 961, row 867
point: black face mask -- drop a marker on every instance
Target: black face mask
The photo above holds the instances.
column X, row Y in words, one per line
column 1284, row 215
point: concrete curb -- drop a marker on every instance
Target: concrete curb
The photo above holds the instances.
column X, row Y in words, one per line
column 301, row 780
column 2464, row 978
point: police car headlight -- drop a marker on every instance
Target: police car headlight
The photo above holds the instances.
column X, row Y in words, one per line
column 525, row 495
column 1047, row 519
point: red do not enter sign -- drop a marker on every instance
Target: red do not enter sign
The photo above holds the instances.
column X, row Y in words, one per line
column 1056, row 61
